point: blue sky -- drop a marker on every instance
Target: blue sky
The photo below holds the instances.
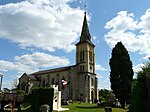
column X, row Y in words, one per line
column 41, row 34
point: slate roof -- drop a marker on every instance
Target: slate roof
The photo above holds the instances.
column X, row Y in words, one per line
column 52, row 70
column 32, row 77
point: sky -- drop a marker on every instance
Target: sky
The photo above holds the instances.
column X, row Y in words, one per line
column 41, row 34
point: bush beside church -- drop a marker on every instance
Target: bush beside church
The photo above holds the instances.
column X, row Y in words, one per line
column 39, row 97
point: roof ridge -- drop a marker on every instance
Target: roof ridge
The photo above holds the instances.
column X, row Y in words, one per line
column 52, row 70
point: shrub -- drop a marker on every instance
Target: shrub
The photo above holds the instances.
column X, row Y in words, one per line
column 41, row 96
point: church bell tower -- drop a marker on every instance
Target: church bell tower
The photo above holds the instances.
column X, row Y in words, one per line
column 85, row 61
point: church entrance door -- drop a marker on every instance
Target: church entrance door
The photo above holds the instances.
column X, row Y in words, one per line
column 92, row 96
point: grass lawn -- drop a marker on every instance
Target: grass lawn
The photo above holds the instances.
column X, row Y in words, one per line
column 86, row 107
column 83, row 107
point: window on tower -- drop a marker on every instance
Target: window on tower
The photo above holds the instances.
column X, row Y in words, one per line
column 90, row 68
column 92, row 81
column 81, row 68
column 90, row 56
column 81, row 56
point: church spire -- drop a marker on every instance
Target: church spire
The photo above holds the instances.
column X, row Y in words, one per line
column 85, row 34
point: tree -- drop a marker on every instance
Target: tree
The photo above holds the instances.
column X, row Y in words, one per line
column 140, row 91
column 15, row 84
column 121, row 74
column 104, row 94
column 107, row 96
column 6, row 90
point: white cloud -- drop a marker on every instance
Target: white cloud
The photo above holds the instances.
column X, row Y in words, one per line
column 94, row 38
column 45, row 24
column 99, row 76
column 104, row 83
column 122, row 22
column 134, row 35
column 138, row 67
column 99, row 67
column 10, row 84
column 145, row 22
column 32, row 62
column 7, row 84
column 147, row 57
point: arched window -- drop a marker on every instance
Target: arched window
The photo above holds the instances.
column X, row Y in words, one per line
column 92, row 81
column 81, row 68
column 23, row 85
column 48, row 79
column 43, row 83
column 82, row 56
column 53, row 80
column 90, row 56
column 91, row 68
column 63, row 78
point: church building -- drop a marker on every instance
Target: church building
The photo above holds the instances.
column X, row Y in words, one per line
column 82, row 83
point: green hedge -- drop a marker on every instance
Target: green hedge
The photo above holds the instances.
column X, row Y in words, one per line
column 41, row 96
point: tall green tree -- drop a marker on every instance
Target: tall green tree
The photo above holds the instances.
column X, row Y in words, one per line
column 121, row 74
column 140, row 91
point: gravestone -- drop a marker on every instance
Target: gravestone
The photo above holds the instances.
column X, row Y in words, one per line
column 44, row 108
column 108, row 109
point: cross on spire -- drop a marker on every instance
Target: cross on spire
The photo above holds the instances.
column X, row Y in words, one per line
column 85, row 6
column 85, row 34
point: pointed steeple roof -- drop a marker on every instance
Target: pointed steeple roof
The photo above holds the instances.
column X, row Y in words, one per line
column 85, row 34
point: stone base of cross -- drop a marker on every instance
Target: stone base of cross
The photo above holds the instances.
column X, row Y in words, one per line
column 57, row 100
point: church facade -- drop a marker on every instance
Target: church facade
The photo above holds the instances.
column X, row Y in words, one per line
column 83, row 83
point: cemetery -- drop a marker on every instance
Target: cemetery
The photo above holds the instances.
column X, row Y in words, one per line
column 46, row 106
